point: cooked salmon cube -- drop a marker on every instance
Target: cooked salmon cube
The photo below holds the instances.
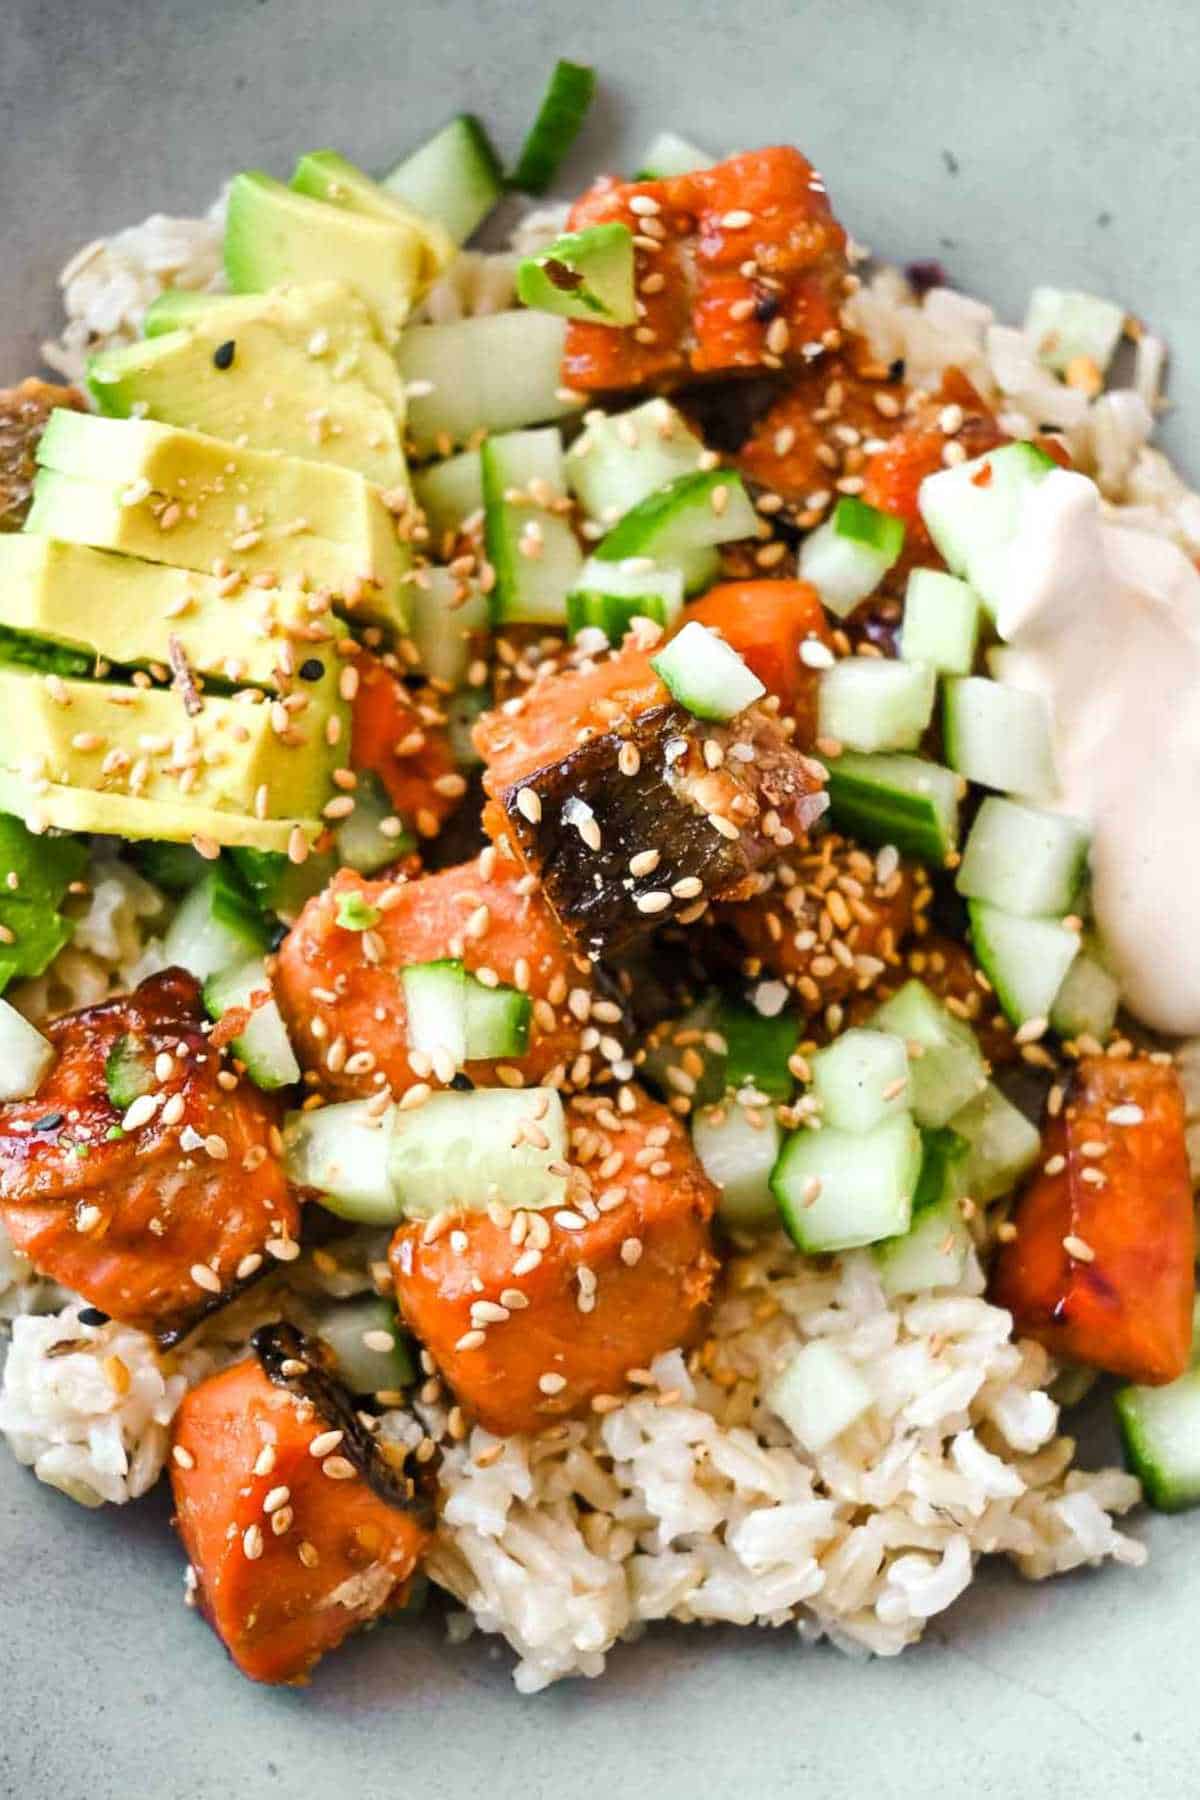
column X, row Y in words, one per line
column 738, row 267
column 589, row 1293
column 161, row 1208
column 297, row 1525
column 403, row 742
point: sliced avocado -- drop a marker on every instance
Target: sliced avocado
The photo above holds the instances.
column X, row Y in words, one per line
column 228, row 758
column 193, row 502
column 583, row 275
column 324, row 175
column 257, row 382
column 52, row 806
column 64, row 598
column 274, row 235
column 177, row 307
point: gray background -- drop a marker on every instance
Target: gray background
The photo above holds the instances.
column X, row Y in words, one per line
column 1015, row 141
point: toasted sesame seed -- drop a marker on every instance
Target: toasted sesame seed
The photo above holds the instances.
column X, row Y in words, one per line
column 1126, row 1115
column 551, row 1382
column 655, row 902
column 737, row 220
column 1079, row 1248
column 205, row 1278
column 264, row 1462
column 277, row 1497
column 183, row 1457
column 529, row 805
column 474, row 1339
column 1054, row 1165
column 252, row 1543
column 338, row 1468
column 325, row 1442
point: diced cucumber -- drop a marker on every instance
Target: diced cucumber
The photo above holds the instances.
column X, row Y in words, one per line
column 463, row 1151
column 584, row 274
column 216, row 926
column 445, row 612
column 1160, row 1434
column 900, row 800
column 757, row 1049
column 435, row 1006
column 610, row 596
column 738, row 1147
column 449, row 492
column 941, row 622
column 128, row 1070
column 462, row 712
column 532, row 548
column 620, row 459
column 943, row 1157
column 264, row 1046
column 697, row 1030
column 455, row 177
column 931, row 1255
column 818, row 1395
column 1023, row 860
column 1063, row 326
column 368, row 839
column 972, row 510
column 838, row 1189
column 998, row 736
column 1026, row 960
column 342, row 1152
column 946, row 1068
column 493, row 373
column 25, row 1055
column 497, row 1021
column 704, row 674
column 1002, row 1145
column 669, row 154
column 1087, row 1003
column 277, row 884
column 861, row 1080
column 556, row 126
column 357, row 1332
column 848, row 556
column 680, row 525
column 872, row 703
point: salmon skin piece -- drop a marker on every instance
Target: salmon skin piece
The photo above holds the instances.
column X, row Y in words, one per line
column 24, row 411
column 605, row 1295
column 739, row 268
column 1102, row 1267
column 599, row 766
column 126, row 1213
column 297, row 1526
column 340, row 988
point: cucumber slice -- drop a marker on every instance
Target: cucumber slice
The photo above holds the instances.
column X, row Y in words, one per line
column 342, row 1153
column 465, row 1150
column 900, row 800
column 680, row 525
column 493, row 373
column 1026, row 960
column 1063, row 326
column 449, row 492
column 946, row 1068
column 25, row 1055
column 620, row 459
column 669, row 154
column 584, row 274
column 932, row 1254
column 1160, row 1434
column 848, row 556
column 1002, row 1145
column 757, row 1049
column 998, row 736
column 1023, row 860
column 216, row 925
column 861, row 1080
column 356, row 1332
column 462, row 711
column 454, row 178
column 264, row 1046
column 497, row 1022
column 704, row 674
column 610, row 596
column 128, row 1070
column 446, row 612
column 371, row 837
column 277, row 884
column 556, row 126
column 697, row 1030
column 1087, row 1003
column 871, row 703
column 819, row 1394
column 972, row 510
column 839, row 1189
column 738, row 1147
column 941, row 622
column 533, row 550
column 435, row 1005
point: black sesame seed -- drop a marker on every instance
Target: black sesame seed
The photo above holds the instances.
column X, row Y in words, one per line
column 896, row 370
column 223, row 354
column 462, row 1084
column 312, row 669
column 91, row 1315
column 48, row 1122
column 766, row 308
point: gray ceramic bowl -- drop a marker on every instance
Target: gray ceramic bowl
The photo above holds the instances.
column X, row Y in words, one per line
column 1013, row 141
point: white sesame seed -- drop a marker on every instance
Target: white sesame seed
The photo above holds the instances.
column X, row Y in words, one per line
column 140, row 1112
column 552, row 1383
column 277, row 1497
column 529, row 805
column 183, row 1457
column 816, row 655
column 383, row 1341
column 737, row 220
column 338, row 1468
column 326, row 1441
column 1079, row 1248
column 1126, row 1115
column 264, row 1462
column 472, row 1340
column 655, row 902
column 252, row 1543
column 205, row 1278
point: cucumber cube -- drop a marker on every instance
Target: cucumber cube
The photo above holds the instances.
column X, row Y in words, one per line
column 998, row 736
column 1063, row 326
column 974, row 508
column 1087, row 1002
column 1160, row 1431
column 870, row 703
column 901, row 800
column 931, row 1255
column 941, row 622
column 861, row 1079
column 1002, row 1145
column 1026, row 960
column 848, row 556
column 738, row 1147
column 818, row 1395
column 620, row 459
column 840, row 1189
column 705, row 675
column 946, row 1068
column 1023, row 860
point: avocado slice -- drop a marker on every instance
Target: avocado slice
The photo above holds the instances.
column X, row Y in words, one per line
column 194, row 502
column 176, row 307
column 324, row 175
column 584, row 274
column 273, row 235
column 271, row 380
column 84, row 603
